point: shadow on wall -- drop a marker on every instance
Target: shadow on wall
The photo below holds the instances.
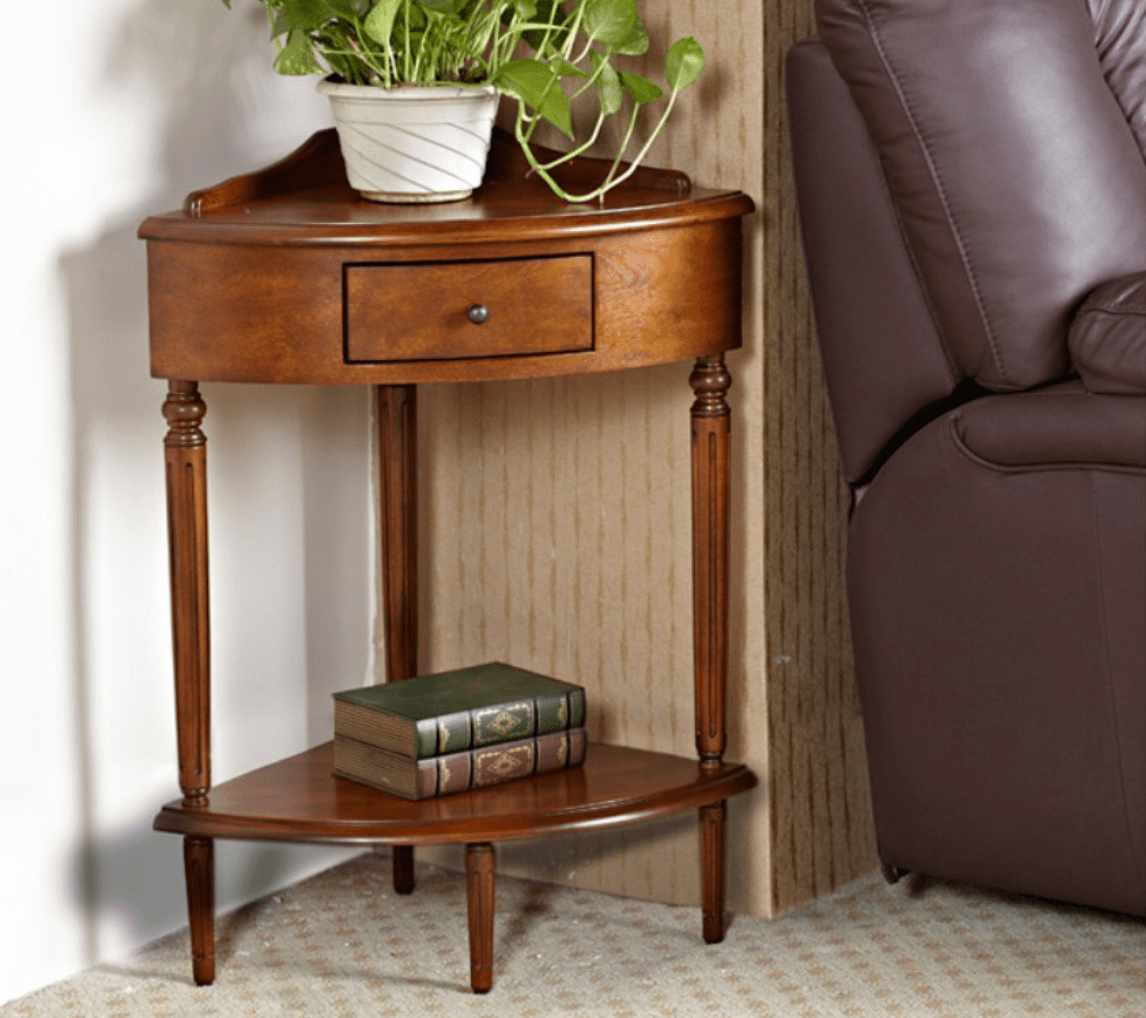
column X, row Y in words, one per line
column 200, row 75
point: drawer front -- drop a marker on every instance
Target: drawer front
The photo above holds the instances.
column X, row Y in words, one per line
column 466, row 310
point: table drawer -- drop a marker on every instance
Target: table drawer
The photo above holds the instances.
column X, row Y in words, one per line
column 451, row 310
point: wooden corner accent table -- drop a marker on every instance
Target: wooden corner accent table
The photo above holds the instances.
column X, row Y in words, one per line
column 285, row 276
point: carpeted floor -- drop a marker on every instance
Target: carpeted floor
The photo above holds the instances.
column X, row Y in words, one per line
column 343, row 945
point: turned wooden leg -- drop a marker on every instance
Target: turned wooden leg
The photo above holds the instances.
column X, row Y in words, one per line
column 712, row 827
column 185, row 448
column 711, row 482
column 398, row 464
column 199, row 867
column 398, row 483
column 402, row 863
column 481, row 860
column 186, row 453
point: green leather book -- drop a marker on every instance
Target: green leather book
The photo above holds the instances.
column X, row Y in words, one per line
column 457, row 772
column 447, row 712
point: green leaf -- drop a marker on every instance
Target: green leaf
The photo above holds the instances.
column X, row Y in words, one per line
column 302, row 16
column 610, row 95
column 683, row 63
column 345, row 9
column 565, row 69
column 609, row 22
column 380, row 21
column 637, row 44
column 641, row 89
column 297, row 56
column 448, row 8
column 538, row 87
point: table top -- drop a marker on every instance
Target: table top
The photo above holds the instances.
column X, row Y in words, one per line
column 305, row 199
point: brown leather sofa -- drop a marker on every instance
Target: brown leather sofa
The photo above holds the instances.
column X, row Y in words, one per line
column 972, row 189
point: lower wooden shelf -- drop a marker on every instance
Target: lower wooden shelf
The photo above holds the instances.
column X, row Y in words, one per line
column 300, row 799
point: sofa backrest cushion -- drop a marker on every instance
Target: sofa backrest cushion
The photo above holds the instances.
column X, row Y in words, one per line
column 1120, row 39
column 1017, row 175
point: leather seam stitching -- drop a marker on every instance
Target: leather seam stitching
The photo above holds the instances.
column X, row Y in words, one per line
column 954, row 368
column 937, row 179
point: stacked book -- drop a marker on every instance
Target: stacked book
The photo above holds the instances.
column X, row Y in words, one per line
column 457, row 730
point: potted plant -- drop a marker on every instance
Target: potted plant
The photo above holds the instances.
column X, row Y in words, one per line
column 415, row 84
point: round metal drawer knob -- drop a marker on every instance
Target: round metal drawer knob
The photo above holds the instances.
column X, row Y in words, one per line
column 477, row 313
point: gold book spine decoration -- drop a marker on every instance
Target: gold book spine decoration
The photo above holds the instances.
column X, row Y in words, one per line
column 457, row 772
column 482, row 705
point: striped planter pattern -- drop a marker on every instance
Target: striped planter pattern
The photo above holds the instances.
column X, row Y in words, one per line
column 415, row 143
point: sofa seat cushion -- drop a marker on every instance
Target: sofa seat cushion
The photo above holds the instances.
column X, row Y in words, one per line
column 1060, row 425
column 1107, row 339
column 997, row 622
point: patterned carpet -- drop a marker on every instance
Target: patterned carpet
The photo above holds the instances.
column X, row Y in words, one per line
column 343, row 945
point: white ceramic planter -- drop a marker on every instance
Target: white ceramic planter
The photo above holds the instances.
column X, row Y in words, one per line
column 416, row 143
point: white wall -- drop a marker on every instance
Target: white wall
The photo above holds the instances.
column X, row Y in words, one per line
column 113, row 111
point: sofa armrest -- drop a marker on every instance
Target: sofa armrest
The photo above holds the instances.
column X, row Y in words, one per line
column 1107, row 338
column 1062, row 425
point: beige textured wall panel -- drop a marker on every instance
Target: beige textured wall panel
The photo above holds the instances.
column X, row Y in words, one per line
column 582, row 571
column 820, row 809
column 555, row 528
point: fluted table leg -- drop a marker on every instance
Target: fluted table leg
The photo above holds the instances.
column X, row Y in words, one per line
column 185, row 448
column 711, row 483
column 398, row 483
